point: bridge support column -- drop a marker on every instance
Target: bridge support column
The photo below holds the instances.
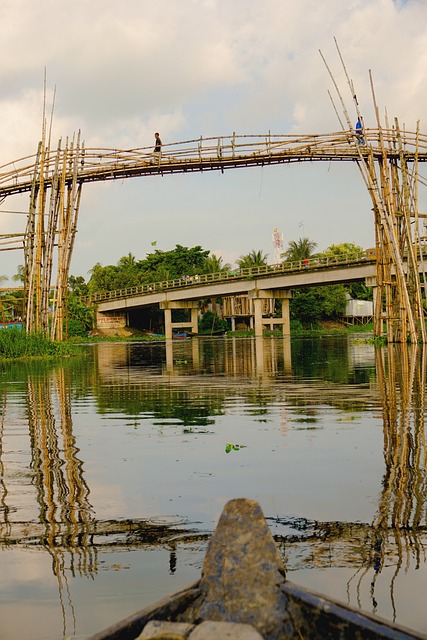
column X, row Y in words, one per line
column 168, row 323
column 168, row 306
column 258, row 296
column 371, row 281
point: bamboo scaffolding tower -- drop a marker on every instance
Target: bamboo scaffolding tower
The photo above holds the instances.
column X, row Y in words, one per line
column 392, row 182
column 49, row 237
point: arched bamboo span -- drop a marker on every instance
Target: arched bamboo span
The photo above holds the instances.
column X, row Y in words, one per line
column 388, row 163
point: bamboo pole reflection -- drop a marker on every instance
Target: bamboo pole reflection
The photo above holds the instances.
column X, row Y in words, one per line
column 62, row 492
column 4, row 507
column 402, row 505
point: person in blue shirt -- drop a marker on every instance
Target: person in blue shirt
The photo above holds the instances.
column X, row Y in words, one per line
column 359, row 132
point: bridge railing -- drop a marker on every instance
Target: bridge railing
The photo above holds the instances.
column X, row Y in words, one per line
column 196, row 280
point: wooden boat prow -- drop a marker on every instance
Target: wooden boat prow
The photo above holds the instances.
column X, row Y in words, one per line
column 243, row 586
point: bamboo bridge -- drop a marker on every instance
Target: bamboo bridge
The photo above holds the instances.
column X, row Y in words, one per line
column 387, row 158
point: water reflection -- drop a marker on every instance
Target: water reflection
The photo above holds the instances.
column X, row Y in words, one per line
column 400, row 523
column 397, row 536
column 246, row 357
column 189, row 386
column 62, row 492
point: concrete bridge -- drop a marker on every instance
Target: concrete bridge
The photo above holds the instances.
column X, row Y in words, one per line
column 258, row 284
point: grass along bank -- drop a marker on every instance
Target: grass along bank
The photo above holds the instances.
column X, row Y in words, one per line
column 16, row 344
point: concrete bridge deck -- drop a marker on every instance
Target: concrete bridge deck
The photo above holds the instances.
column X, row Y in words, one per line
column 259, row 284
column 239, row 282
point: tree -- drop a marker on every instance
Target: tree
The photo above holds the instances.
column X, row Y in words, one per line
column 309, row 305
column 127, row 261
column 214, row 264
column 20, row 274
column 80, row 317
column 252, row 259
column 178, row 262
column 299, row 250
column 155, row 267
column 78, row 286
column 102, row 278
column 210, row 322
column 348, row 249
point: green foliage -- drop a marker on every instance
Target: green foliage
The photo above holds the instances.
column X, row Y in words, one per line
column 332, row 300
column 304, row 306
column 20, row 275
column 78, row 286
column 80, row 317
column 17, row 344
column 233, row 447
column 309, row 305
column 176, row 263
column 359, row 291
column 214, row 264
column 210, row 322
column 299, row 250
column 252, row 259
column 155, row 267
column 111, row 278
column 76, row 329
column 348, row 249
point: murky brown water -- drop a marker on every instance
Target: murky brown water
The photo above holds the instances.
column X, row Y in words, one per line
column 114, row 468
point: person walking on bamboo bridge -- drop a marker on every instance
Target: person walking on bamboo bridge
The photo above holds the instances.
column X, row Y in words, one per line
column 157, row 145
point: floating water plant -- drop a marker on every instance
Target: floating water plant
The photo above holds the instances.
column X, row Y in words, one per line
column 233, row 447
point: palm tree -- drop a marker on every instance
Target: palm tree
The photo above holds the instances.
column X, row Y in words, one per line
column 298, row 250
column 252, row 259
column 20, row 274
column 214, row 264
column 127, row 261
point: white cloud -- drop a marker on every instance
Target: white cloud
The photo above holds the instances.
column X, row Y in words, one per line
column 206, row 67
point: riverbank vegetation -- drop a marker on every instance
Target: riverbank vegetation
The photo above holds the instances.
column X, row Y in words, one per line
column 17, row 344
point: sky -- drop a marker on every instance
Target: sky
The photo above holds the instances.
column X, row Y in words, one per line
column 119, row 71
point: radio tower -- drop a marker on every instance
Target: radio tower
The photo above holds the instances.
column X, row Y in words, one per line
column 278, row 245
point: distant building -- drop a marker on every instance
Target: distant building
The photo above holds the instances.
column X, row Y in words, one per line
column 358, row 311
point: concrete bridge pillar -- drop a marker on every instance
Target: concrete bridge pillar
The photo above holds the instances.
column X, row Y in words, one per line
column 168, row 323
column 168, row 306
column 258, row 295
column 377, row 305
column 258, row 316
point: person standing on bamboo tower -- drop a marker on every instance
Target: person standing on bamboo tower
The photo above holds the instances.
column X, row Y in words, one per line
column 359, row 132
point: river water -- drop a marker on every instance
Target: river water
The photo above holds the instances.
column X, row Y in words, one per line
column 115, row 466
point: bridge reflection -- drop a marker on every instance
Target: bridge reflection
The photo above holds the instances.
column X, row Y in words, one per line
column 247, row 356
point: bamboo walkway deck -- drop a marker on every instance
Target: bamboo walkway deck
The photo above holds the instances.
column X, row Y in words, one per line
column 209, row 154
